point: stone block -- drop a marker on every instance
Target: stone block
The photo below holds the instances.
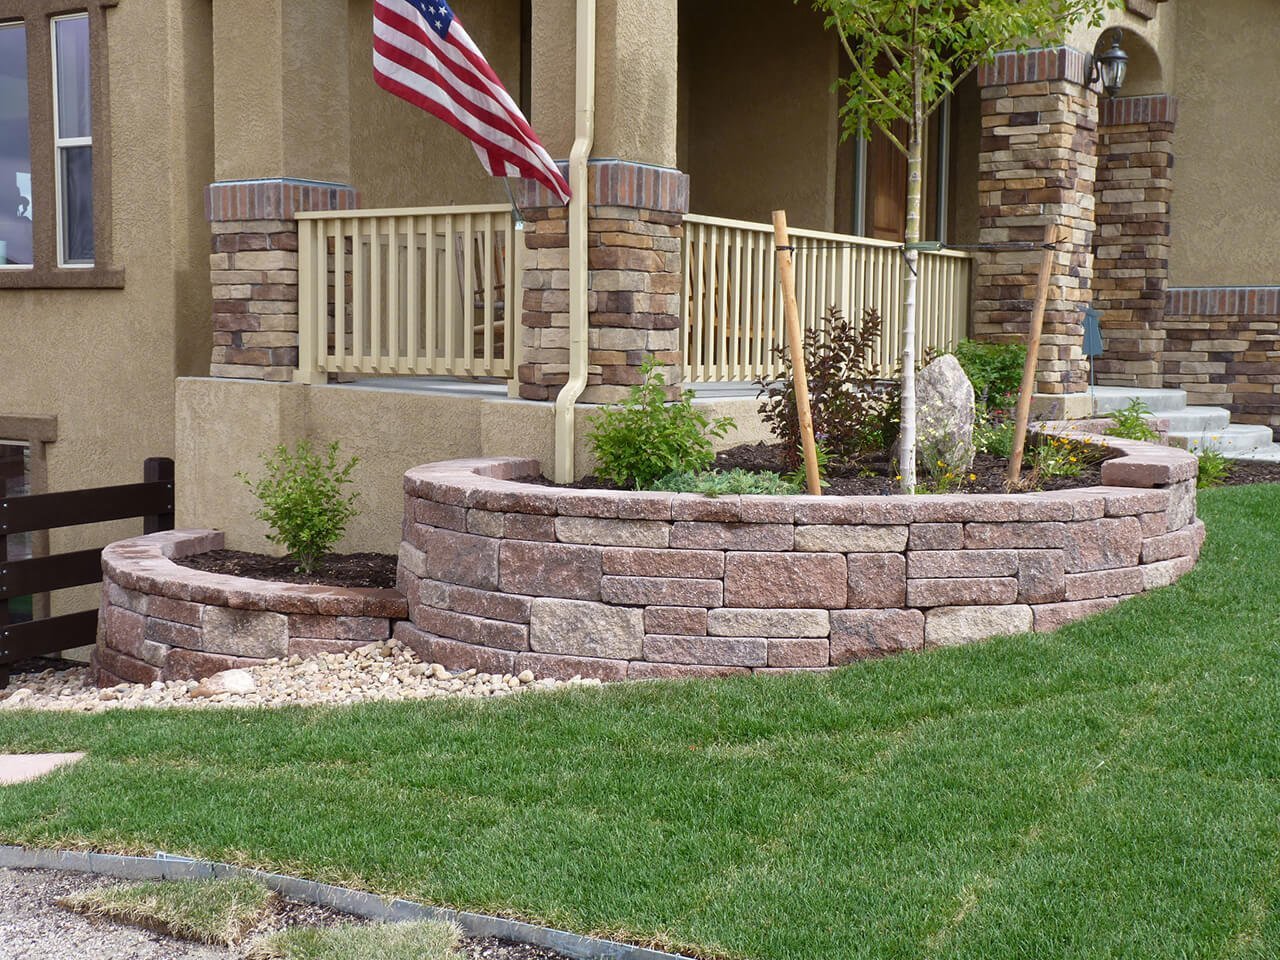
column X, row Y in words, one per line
column 975, row 591
column 700, row 535
column 126, row 668
column 614, row 533
column 523, row 526
column 134, row 644
column 245, row 633
column 754, row 622
column 123, row 626
column 118, row 596
column 1015, row 536
column 473, row 630
column 581, row 629
column 462, row 558
column 799, row 652
column 1104, row 583
column 441, row 515
column 1166, row 572
column 313, row 627
column 179, row 635
column 859, row 634
column 485, row 523
column 953, row 626
column 306, row 647
column 695, row 564
column 786, row 580
column 195, row 665
column 567, row 667
column 877, row 580
column 179, row 611
column 643, row 670
column 455, row 655
column 1169, row 546
column 366, row 629
column 851, row 538
column 662, row 591
column 709, row 651
column 412, row 559
column 936, row 536
column 937, row 564
column 1041, row 576
column 678, row 621
column 1103, row 544
column 1182, row 504
column 479, row 603
column 1053, row 616
column 551, row 570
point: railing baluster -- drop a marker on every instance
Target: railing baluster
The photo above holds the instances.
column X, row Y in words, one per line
column 431, row 297
column 411, row 309
column 489, row 248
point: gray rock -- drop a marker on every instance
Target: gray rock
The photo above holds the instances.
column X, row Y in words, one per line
column 580, row 628
column 245, row 633
column 945, row 416
column 228, row 681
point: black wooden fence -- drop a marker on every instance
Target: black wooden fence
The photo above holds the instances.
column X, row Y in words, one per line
column 152, row 500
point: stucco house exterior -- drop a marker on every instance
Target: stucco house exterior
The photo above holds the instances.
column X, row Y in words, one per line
column 220, row 235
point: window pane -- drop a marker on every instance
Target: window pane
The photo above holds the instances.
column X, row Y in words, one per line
column 72, row 38
column 77, row 210
column 15, row 149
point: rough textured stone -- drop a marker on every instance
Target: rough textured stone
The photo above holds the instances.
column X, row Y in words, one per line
column 1169, row 546
column 551, row 570
column 462, row 558
column 1104, row 583
column 1182, row 504
column 945, row 415
column 568, row 667
column 936, row 536
column 695, row 564
column 580, row 629
column 936, row 564
column 521, row 526
column 678, row 621
column 731, row 622
column 859, row 634
column 194, row 665
column 851, row 538
column 1041, row 576
column 476, row 603
column 979, row 591
column 877, row 580
column 476, row 630
column 616, row 533
column 799, row 652
column 313, row 627
column 710, row 651
column 952, row 626
column 463, row 656
column 697, row 535
column 786, row 580
column 1166, row 572
column 1014, row 536
column 1052, row 616
column 644, row 670
column 663, row 591
column 1103, row 544
column 314, row 646
column 179, row 611
column 178, row 634
column 245, row 633
column 367, row 629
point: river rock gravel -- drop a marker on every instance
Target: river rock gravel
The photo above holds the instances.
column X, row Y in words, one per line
column 384, row 672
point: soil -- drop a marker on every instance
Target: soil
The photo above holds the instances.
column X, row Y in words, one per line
column 1244, row 472
column 376, row 570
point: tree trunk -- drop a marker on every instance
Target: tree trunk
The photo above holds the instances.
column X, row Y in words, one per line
column 915, row 192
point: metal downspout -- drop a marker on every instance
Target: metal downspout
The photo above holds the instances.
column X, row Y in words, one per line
column 584, row 140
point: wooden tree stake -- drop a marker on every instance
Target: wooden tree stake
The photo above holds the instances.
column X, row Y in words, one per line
column 1053, row 235
column 795, row 340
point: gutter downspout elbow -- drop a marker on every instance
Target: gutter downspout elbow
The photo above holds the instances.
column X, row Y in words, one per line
column 579, row 286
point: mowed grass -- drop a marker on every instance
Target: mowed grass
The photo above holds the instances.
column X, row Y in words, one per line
column 374, row 941
column 1112, row 790
column 218, row 912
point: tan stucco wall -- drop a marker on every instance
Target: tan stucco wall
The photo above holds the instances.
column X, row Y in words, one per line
column 762, row 118
column 1226, row 144
column 103, row 361
column 391, row 430
column 1149, row 43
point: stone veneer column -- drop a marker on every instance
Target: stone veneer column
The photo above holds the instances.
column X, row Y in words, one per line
column 635, row 231
column 1131, row 245
column 254, row 272
column 1037, row 166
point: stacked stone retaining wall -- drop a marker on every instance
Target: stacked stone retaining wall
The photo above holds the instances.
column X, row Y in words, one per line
column 504, row 576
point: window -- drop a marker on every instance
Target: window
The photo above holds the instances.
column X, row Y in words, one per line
column 55, row 186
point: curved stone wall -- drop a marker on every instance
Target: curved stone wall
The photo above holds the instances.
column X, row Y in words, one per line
column 504, row 576
column 162, row 621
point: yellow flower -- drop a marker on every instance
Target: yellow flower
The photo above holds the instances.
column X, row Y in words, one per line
column 973, row 476
column 1073, row 459
column 898, row 477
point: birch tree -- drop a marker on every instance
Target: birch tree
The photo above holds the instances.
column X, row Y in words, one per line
column 905, row 58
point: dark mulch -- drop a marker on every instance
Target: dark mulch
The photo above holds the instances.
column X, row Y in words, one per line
column 334, row 570
column 1244, row 472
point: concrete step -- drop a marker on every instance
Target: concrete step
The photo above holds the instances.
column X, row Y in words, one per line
column 1235, row 440
column 1160, row 402
column 1269, row 454
column 1196, row 420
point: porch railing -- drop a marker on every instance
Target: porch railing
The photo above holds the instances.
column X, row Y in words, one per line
column 409, row 291
column 733, row 303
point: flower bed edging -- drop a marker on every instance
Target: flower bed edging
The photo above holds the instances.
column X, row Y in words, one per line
column 163, row 621
column 503, row 576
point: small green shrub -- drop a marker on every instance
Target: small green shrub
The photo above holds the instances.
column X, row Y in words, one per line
column 716, row 483
column 646, row 438
column 1055, row 457
column 994, row 369
column 994, row 437
column 854, row 406
column 1131, row 423
column 799, row 477
column 303, row 501
column 1215, row 469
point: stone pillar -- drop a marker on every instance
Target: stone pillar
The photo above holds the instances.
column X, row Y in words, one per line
column 1037, row 166
column 280, row 148
column 254, row 272
column 635, row 234
column 1131, row 245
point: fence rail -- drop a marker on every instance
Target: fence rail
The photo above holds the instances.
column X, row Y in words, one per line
column 409, row 291
column 152, row 500
column 733, row 304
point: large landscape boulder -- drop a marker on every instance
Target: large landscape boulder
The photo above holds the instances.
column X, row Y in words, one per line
column 945, row 417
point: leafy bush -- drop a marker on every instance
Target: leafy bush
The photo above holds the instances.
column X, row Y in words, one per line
column 302, row 500
column 645, row 438
column 994, row 369
column 1131, row 423
column 855, row 411
column 716, row 483
column 799, row 476
column 1215, row 469
column 994, row 437
column 1054, row 457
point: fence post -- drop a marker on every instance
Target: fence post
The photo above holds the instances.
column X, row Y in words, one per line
column 4, row 615
column 158, row 470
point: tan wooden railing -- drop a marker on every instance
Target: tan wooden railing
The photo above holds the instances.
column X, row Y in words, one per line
column 733, row 303
column 411, row 291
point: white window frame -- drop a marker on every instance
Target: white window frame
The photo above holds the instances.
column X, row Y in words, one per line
column 22, row 25
column 60, row 144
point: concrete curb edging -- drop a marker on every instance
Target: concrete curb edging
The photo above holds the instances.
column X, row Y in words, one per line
column 359, row 904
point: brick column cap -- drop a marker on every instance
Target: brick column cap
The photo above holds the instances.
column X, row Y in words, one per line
column 275, row 198
column 1034, row 66
column 618, row 183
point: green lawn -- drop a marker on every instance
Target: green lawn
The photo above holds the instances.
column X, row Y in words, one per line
column 1109, row 791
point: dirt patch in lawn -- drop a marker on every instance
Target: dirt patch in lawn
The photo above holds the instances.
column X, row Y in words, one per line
column 376, row 570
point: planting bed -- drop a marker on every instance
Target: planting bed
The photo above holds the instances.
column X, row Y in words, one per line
column 504, row 575
column 163, row 621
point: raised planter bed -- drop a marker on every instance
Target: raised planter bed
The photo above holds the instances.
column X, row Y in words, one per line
column 163, row 621
column 503, row 575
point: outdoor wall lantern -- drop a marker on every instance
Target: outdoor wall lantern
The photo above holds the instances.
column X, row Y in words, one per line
column 1110, row 67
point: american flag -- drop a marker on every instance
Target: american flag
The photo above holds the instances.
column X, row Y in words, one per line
column 422, row 54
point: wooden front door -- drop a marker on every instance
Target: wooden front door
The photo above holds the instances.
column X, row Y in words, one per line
column 886, row 198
